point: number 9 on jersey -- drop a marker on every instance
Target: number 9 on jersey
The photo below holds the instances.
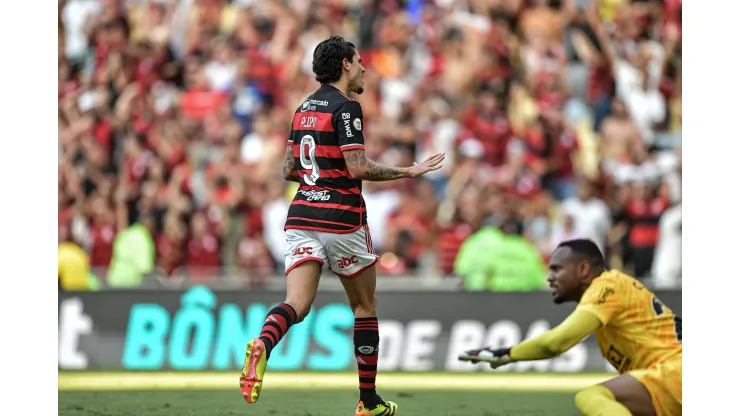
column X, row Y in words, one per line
column 309, row 163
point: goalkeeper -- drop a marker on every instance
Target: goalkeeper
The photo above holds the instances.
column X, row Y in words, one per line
column 637, row 334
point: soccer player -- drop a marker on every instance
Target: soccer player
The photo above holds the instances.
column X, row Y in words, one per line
column 637, row 334
column 327, row 220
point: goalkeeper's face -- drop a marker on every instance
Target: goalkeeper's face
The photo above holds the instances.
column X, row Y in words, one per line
column 566, row 276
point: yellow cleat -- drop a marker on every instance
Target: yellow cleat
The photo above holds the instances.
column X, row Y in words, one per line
column 383, row 409
column 253, row 371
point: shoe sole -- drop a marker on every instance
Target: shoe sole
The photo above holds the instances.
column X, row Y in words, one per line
column 249, row 383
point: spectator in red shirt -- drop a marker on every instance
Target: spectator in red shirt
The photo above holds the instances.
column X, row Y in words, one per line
column 199, row 101
column 102, row 231
column 552, row 142
column 550, row 88
column 489, row 125
column 203, row 256
column 135, row 160
column 171, row 245
column 408, row 230
column 468, row 217
column 254, row 256
column 641, row 215
column 517, row 177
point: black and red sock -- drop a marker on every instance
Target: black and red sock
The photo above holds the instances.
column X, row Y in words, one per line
column 366, row 340
column 276, row 325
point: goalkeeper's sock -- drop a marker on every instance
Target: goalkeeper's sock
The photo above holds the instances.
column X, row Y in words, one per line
column 600, row 401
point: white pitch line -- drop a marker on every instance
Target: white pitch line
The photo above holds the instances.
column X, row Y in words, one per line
column 420, row 381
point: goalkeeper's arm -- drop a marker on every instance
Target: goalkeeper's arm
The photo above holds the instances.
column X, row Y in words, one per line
column 580, row 324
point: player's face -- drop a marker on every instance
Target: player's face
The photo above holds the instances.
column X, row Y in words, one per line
column 356, row 75
column 565, row 276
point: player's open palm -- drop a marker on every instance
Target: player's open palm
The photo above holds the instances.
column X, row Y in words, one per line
column 431, row 163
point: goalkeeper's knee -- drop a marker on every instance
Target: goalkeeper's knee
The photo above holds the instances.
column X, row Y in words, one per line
column 599, row 400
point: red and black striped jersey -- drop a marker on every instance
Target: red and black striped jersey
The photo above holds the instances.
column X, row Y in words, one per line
column 328, row 198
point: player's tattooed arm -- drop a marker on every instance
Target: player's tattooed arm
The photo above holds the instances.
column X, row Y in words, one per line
column 360, row 167
column 289, row 171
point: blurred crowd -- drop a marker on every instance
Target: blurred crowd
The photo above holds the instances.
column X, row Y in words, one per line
column 560, row 119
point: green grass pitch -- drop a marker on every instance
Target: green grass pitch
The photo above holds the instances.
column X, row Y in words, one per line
column 319, row 394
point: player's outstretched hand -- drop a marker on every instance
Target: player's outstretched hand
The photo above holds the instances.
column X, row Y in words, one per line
column 431, row 163
column 495, row 357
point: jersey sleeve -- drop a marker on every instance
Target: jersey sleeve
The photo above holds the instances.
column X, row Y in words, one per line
column 603, row 298
column 577, row 326
column 348, row 123
column 291, row 136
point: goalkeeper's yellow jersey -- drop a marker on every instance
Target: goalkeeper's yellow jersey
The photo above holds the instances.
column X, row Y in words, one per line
column 638, row 329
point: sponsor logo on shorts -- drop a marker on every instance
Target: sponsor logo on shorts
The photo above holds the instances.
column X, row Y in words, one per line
column 303, row 251
column 345, row 262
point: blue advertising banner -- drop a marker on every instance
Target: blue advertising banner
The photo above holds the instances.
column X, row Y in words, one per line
column 200, row 329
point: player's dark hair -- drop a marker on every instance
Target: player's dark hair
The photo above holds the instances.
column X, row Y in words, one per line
column 586, row 249
column 328, row 57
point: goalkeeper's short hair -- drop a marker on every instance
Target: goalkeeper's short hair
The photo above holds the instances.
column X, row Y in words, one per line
column 586, row 249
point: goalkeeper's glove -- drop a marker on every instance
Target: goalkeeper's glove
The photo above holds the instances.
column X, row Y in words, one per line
column 495, row 357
